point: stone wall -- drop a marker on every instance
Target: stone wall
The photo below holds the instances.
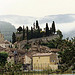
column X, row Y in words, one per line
column 1, row 37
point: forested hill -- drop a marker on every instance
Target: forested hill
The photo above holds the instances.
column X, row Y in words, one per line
column 7, row 29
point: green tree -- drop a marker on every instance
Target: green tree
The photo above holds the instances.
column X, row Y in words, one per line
column 3, row 58
column 38, row 34
column 27, row 33
column 13, row 38
column 60, row 33
column 37, row 24
column 53, row 27
column 50, row 31
column 23, row 33
column 31, row 32
column 67, row 57
column 47, row 30
column 19, row 29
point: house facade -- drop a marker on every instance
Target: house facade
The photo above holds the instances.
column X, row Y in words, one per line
column 42, row 61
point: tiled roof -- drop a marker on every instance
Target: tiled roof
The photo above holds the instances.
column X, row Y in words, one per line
column 42, row 54
column 31, row 53
column 3, row 49
column 18, row 50
column 5, row 42
column 54, row 50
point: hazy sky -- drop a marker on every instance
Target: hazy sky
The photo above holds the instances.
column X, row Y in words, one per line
column 37, row 8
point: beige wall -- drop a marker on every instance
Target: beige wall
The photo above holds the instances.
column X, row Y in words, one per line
column 45, row 62
column 1, row 37
column 10, row 60
column 27, row 60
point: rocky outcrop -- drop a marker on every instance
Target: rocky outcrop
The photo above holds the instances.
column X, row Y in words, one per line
column 36, row 41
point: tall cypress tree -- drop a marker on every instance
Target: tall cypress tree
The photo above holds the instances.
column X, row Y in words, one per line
column 47, row 30
column 37, row 24
column 31, row 32
column 50, row 31
column 53, row 27
column 13, row 38
column 38, row 32
column 23, row 33
column 27, row 33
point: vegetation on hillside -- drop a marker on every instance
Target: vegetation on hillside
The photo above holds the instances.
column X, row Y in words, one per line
column 3, row 58
column 34, row 32
column 66, row 46
column 66, row 53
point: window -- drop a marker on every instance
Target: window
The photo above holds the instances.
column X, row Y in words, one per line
column 37, row 60
column 15, row 52
column 10, row 57
column 53, row 60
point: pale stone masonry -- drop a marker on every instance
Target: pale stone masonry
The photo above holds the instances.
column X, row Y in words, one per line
column 1, row 37
column 44, row 61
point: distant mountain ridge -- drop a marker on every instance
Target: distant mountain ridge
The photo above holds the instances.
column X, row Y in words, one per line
column 7, row 29
column 61, row 21
column 16, row 19
column 70, row 34
column 60, row 18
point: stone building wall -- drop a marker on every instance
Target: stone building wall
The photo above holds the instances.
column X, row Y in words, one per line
column 1, row 37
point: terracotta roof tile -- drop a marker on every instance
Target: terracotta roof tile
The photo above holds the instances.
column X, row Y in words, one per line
column 43, row 54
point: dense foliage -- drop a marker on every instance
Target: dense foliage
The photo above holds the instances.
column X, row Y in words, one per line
column 13, row 38
column 3, row 58
column 19, row 29
column 34, row 32
column 23, row 33
column 66, row 53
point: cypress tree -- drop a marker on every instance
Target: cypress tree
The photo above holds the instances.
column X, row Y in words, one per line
column 50, row 31
column 34, row 26
column 53, row 27
column 13, row 38
column 19, row 29
column 38, row 32
column 47, row 30
column 27, row 33
column 23, row 33
column 31, row 32
column 37, row 24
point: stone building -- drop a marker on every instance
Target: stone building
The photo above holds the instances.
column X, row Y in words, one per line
column 44, row 61
column 1, row 37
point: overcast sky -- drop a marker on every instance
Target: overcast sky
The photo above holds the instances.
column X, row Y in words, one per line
column 36, row 8
column 40, row 8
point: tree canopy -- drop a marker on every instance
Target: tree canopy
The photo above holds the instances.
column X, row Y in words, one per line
column 3, row 58
column 66, row 53
column 53, row 27
column 19, row 29
column 34, row 32
column 13, row 38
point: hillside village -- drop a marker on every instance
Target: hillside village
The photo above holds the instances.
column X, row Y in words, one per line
column 17, row 53
column 33, row 52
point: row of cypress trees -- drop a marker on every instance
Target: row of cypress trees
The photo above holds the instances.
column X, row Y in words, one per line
column 35, row 31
